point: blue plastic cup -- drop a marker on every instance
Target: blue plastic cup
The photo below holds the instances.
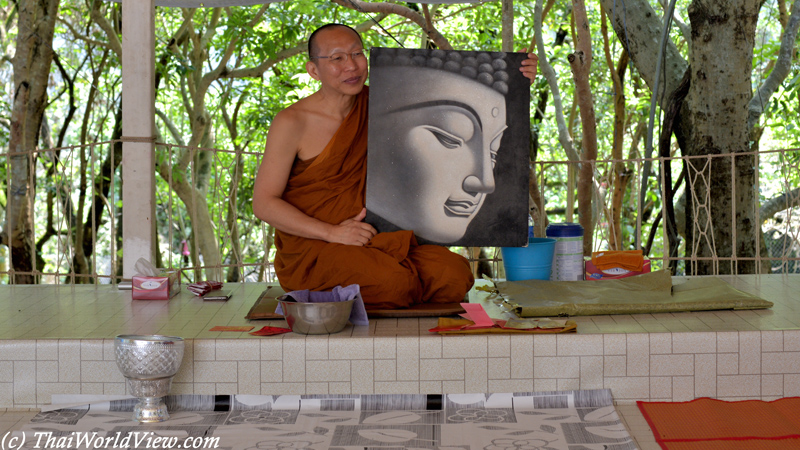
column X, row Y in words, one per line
column 533, row 262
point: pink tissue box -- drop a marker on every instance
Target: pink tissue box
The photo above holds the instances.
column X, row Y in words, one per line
column 156, row 288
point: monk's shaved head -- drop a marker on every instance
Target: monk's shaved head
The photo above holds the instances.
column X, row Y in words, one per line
column 313, row 45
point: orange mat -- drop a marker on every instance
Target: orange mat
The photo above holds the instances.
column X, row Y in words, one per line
column 710, row 424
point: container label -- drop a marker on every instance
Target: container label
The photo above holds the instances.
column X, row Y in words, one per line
column 568, row 259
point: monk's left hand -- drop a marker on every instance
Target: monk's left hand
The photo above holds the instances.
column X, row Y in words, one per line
column 353, row 231
column 529, row 65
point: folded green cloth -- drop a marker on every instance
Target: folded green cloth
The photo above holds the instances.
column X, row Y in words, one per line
column 647, row 293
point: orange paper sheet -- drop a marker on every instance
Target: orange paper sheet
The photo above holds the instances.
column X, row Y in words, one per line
column 449, row 325
column 624, row 259
column 709, row 424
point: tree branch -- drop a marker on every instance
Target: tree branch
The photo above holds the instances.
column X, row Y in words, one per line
column 113, row 40
column 779, row 73
column 641, row 41
column 550, row 75
column 83, row 38
column 686, row 31
column 187, row 104
column 71, row 89
column 209, row 77
column 782, row 15
column 780, row 203
column 211, row 29
column 254, row 72
column 258, row 16
column 257, row 71
column 427, row 13
column 391, row 8
column 173, row 130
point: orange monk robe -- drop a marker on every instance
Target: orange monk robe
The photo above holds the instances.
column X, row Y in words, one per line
column 392, row 269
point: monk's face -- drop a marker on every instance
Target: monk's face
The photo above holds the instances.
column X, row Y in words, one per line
column 339, row 70
column 436, row 145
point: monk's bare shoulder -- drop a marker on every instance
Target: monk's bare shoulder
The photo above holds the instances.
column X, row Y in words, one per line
column 284, row 142
column 293, row 125
column 288, row 125
column 310, row 124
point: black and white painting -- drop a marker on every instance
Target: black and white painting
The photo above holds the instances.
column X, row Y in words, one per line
column 449, row 134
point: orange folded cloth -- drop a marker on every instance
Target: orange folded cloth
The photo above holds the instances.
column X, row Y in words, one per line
column 624, row 259
column 711, row 424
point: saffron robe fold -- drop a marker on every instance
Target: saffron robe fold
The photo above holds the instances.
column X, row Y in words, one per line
column 392, row 270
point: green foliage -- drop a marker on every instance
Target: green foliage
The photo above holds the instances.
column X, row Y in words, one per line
column 81, row 45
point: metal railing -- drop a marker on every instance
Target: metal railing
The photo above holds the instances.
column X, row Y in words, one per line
column 206, row 228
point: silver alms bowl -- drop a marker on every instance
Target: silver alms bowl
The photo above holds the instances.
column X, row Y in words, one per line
column 149, row 362
column 317, row 318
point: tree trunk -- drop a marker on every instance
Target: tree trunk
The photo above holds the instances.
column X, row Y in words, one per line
column 581, row 63
column 722, row 225
column 34, row 54
column 232, row 213
column 620, row 174
column 81, row 259
column 231, row 220
column 200, row 215
column 537, row 203
column 724, row 201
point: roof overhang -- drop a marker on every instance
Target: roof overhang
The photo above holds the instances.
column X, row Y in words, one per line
column 222, row 3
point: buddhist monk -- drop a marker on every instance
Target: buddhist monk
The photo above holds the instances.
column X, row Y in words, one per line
column 311, row 188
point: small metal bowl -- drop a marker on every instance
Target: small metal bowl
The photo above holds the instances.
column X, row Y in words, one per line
column 317, row 318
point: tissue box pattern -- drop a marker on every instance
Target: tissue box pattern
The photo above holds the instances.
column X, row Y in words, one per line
column 156, row 288
column 593, row 273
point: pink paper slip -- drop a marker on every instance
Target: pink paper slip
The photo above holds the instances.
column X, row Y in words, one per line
column 477, row 314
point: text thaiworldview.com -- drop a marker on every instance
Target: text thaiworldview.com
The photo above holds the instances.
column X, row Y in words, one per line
column 89, row 440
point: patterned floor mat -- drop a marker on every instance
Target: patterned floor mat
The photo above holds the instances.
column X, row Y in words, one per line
column 568, row 420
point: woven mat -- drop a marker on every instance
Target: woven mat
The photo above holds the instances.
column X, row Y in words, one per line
column 647, row 293
column 567, row 420
column 709, row 424
column 264, row 308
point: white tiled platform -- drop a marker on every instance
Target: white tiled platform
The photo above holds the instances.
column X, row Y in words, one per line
column 60, row 340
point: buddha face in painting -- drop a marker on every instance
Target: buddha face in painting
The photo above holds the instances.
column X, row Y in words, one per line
column 435, row 148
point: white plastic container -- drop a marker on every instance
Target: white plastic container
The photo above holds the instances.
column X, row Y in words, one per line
column 568, row 254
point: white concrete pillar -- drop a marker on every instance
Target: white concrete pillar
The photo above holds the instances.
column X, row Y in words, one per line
column 138, row 130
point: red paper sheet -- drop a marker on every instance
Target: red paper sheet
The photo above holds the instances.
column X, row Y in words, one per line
column 239, row 328
column 270, row 331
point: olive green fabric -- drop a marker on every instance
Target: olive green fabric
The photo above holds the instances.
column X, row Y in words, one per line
column 647, row 293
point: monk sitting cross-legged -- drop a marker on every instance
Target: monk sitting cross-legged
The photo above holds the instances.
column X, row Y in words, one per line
column 311, row 188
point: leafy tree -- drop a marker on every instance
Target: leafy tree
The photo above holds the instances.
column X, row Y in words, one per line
column 223, row 73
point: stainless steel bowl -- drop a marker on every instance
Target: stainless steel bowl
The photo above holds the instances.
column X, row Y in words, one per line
column 317, row 318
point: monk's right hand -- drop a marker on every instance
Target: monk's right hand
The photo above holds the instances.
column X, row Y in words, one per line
column 353, row 231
